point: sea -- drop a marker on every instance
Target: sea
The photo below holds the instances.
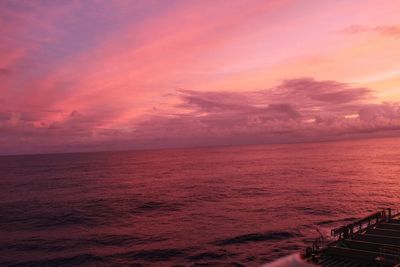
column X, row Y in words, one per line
column 221, row 206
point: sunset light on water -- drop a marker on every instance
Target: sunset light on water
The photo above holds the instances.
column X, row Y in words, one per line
column 191, row 133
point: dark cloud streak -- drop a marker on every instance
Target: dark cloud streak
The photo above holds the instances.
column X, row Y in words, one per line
column 386, row 30
column 301, row 107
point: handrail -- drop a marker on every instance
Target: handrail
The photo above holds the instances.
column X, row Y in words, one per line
column 361, row 225
column 395, row 213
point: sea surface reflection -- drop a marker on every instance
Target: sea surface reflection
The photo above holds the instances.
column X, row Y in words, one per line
column 228, row 206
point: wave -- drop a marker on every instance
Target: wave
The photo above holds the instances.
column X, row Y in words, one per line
column 83, row 259
column 256, row 237
column 152, row 255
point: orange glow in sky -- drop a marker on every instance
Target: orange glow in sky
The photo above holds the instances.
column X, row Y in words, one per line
column 87, row 75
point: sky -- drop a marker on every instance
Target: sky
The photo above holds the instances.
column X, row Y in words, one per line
column 114, row 74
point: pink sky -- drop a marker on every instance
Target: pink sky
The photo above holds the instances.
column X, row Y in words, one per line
column 94, row 75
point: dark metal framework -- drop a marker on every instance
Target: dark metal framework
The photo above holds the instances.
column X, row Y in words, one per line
column 371, row 241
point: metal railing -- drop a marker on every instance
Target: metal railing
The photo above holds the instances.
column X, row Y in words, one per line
column 362, row 225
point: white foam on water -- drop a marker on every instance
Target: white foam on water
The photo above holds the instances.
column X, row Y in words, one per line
column 293, row 260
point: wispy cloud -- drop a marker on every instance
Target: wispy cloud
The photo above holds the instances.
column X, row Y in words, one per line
column 79, row 74
column 387, row 30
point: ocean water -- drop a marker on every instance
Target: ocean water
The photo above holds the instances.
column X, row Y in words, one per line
column 230, row 206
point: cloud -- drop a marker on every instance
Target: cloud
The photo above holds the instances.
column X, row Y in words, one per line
column 323, row 91
column 388, row 30
column 5, row 71
column 30, row 116
column 294, row 110
column 211, row 101
column 285, row 99
column 22, row 132
column 302, row 108
column 4, row 116
column 377, row 112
